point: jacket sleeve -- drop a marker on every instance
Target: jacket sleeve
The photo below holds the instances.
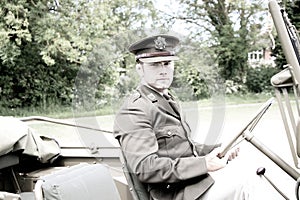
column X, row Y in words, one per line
column 133, row 129
column 203, row 149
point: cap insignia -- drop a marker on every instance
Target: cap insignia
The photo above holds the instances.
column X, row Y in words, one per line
column 160, row 43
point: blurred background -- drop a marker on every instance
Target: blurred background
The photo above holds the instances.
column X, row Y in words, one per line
column 60, row 56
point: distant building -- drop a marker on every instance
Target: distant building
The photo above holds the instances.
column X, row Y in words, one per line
column 261, row 57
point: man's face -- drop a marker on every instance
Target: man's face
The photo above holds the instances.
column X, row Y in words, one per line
column 158, row 75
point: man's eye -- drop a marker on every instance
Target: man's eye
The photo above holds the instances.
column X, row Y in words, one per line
column 157, row 64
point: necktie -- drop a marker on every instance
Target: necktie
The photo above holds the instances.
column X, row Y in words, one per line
column 172, row 103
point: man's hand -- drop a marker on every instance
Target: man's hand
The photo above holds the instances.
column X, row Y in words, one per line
column 214, row 163
column 233, row 154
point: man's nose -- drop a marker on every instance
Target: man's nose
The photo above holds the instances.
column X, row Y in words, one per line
column 163, row 68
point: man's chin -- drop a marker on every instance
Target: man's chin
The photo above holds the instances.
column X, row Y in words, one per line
column 161, row 87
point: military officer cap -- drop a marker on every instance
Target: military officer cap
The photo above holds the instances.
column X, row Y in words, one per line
column 155, row 49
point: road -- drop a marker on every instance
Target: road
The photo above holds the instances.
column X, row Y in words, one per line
column 269, row 130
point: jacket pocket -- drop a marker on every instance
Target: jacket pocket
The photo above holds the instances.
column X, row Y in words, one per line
column 168, row 139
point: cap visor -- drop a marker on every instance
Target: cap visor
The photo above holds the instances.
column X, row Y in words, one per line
column 159, row 59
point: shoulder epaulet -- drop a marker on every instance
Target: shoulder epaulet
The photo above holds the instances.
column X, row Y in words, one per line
column 148, row 93
column 135, row 96
column 152, row 97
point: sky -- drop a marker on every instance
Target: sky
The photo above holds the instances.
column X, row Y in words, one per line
column 171, row 7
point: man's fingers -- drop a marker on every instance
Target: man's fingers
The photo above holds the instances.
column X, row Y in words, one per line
column 233, row 154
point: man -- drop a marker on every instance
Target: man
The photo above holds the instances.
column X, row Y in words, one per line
column 154, row 136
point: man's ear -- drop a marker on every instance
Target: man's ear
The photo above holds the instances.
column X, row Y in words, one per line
column 139, row 69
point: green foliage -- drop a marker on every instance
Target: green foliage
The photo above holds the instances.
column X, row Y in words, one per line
column 93, row 78
column 73, row 52
column 233, row 87
column 229, row 28
column 292, row 9
column 258, row 79
column 44, row 47
column 196, row 74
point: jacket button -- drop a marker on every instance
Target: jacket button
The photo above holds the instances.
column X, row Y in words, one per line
column 168, row 186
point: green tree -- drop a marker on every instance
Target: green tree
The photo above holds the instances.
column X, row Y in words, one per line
column 229, row 28
column 196, row 74
column 258, row 79
column 292, row 9
column 44, row 43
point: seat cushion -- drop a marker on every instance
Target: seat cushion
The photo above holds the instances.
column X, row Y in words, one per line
column 83, row 181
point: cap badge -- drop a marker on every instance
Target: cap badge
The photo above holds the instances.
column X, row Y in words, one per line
column 160, row 43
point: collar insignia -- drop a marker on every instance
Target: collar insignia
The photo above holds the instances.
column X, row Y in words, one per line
column 152, row 97
column 160, row 43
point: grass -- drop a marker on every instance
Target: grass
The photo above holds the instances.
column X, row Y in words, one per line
column 232, row 99
column 60, row 112
column 54, row 111
column 247, row 98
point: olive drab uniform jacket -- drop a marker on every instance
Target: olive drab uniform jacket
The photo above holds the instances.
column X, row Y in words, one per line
column 155, row 141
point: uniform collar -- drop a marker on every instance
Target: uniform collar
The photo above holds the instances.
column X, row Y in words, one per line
column 151, row 93
column 156, row 97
